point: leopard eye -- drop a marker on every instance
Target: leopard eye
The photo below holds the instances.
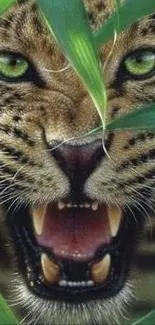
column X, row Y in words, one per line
column 140, row 64
column 12, row 66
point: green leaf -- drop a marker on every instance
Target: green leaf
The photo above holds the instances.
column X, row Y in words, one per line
column 6, row 315
column 69, row 23
column 149, row 319
column 128, row 13
column 141, row 118
column 5, row 4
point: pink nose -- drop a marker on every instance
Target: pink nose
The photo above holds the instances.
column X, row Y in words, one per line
column 78, row 162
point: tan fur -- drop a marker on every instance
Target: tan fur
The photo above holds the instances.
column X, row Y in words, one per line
column 62, row 110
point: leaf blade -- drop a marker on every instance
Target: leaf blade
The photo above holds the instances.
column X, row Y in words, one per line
column 148, row 319
column 142, row 118
column 6, row 315
column 5, row 5
column 128, row 13
column 70, row 25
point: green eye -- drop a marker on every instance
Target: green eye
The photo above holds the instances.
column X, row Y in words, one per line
column 140, row 64
column 12, row 66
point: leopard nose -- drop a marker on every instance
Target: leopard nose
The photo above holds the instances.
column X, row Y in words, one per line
column 79, row 161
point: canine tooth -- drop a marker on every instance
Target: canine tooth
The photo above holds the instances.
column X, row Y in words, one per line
column 51, row 270
column 94, row 206
column 38, row 219
column 61, row 205
column 90, row 283
column 115, row 215
column 100, row 270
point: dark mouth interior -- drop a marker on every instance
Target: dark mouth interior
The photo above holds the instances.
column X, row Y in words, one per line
column 75, row 279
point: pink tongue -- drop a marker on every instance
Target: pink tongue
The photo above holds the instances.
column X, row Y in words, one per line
column 74, row 233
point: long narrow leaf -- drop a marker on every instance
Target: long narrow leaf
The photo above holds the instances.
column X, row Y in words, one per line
column 6, row 315
column 128, row 13
column 69, row 23
column 149, row 319
column 142, row 118
column 5, row 4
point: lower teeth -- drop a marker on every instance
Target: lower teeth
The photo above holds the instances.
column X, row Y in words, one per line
column 52, row 272
column 64, row 283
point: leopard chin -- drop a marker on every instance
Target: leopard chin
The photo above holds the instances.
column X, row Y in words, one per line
column 71, row 262
column 73, row 255
column 74, row 202
column 35, row 310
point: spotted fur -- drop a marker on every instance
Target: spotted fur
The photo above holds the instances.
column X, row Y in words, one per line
column 54, row 107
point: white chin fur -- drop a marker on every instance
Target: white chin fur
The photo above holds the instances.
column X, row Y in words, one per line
column 41, row 311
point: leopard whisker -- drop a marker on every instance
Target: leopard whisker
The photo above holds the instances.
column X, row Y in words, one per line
column 130, row 209
column 57, row 71
column 8, row 199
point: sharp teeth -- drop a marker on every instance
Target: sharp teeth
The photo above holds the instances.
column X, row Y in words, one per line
column 115, row 216
column 100, row 271
column 94, row 206
column 87, row 205
column 64, row 283
column 61, row 205
column 38, row 219
column 50, row 269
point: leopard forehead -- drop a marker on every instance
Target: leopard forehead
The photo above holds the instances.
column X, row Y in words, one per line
column 60, row 107
column 72, row 109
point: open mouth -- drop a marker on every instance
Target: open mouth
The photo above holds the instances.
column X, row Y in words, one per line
column 72, row 251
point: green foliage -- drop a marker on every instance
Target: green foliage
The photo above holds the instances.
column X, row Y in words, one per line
column 5, row 5
column 75, row 38
column 138, row 119
column 143, row 118
column 69, row 24
column 128, row 13
column 148, row 319
column 6, row 315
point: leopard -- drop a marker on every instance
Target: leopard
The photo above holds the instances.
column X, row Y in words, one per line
column 74, row 201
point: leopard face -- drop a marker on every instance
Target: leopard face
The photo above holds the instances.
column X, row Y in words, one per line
column 73, row 203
